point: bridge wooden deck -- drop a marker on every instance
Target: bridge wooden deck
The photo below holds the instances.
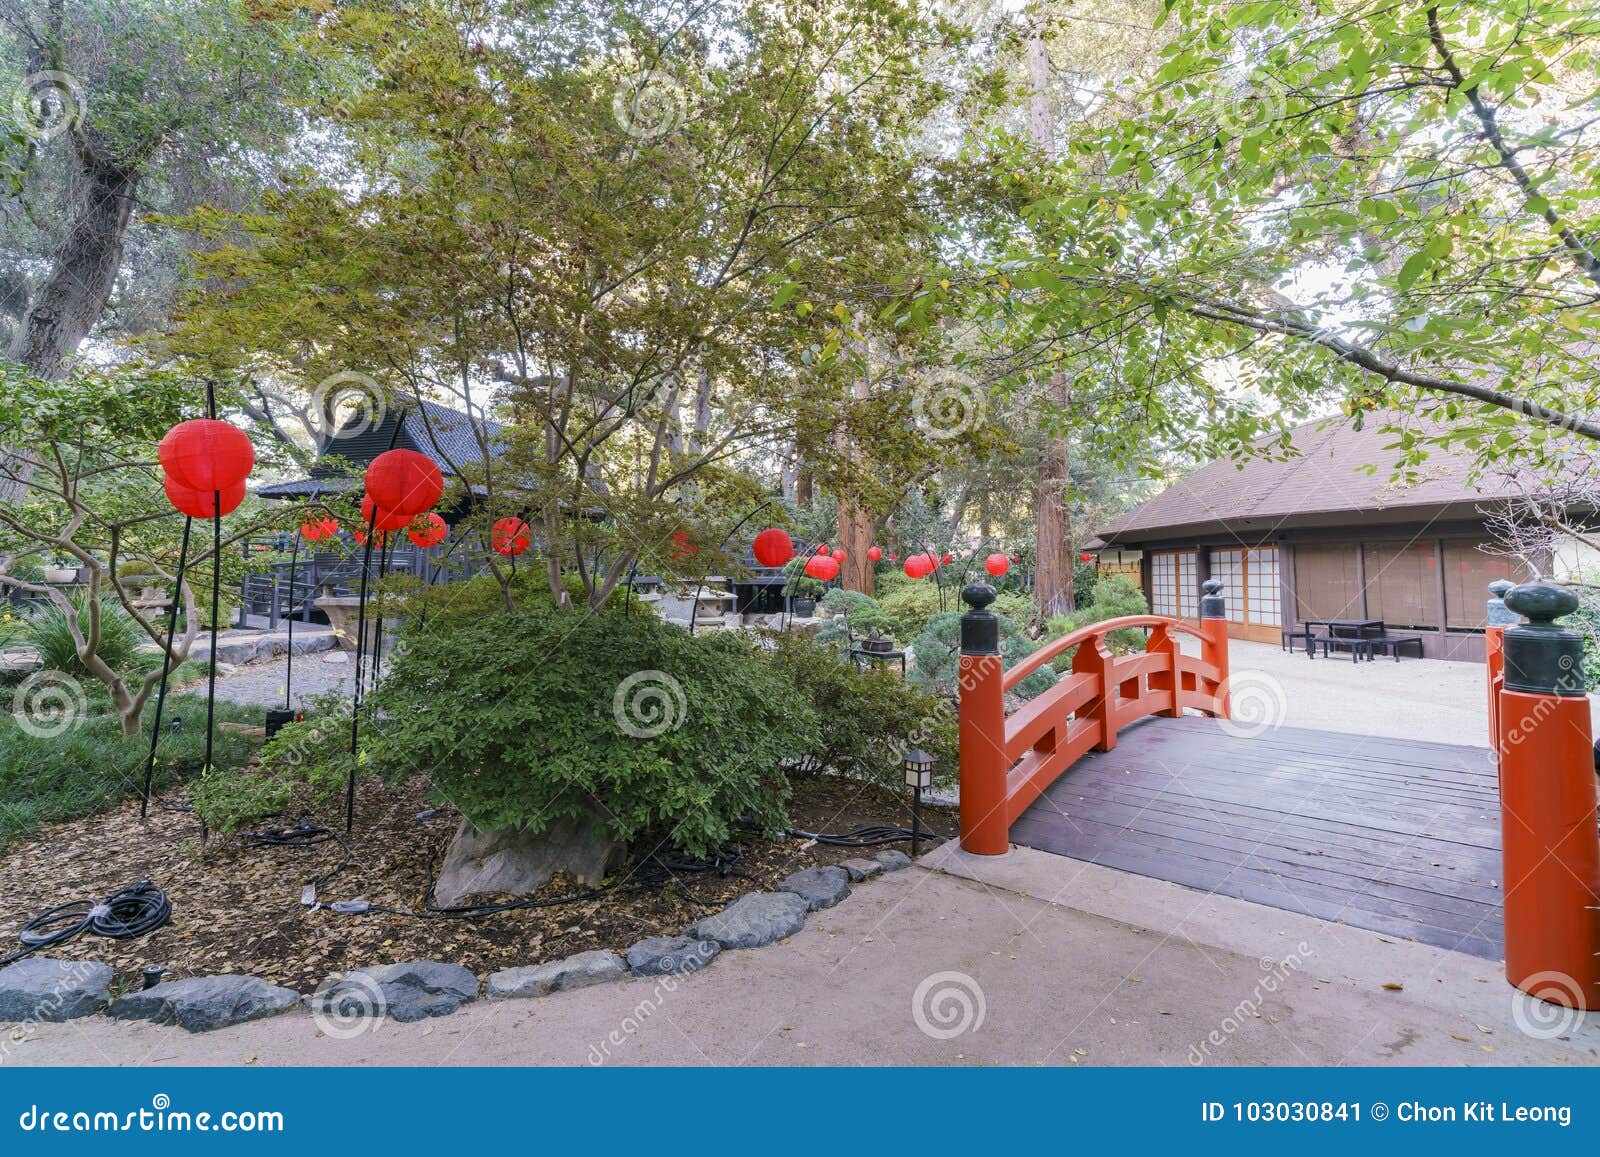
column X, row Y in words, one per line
column 1398, row 836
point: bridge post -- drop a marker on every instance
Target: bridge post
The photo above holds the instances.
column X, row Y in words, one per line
column 1497, row 618
column 1214, row 647
column 1549, row 845
column 985, row 830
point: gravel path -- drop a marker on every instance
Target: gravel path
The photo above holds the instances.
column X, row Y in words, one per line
column 261, row 684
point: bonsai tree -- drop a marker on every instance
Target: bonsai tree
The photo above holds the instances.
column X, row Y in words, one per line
column 860, row 615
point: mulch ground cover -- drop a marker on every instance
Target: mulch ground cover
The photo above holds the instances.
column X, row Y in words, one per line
column 237, row 905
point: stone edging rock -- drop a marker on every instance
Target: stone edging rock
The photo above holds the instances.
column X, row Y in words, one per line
column 43, row 989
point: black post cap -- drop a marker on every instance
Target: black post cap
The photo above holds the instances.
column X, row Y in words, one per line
column 1212, row 604
column 1497, row 613
column 1540, row 656
column 980, row 627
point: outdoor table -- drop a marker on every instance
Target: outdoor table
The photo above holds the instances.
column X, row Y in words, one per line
column 1360, row 626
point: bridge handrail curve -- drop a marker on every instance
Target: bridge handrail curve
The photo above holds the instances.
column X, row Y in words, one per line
column 1092, row 631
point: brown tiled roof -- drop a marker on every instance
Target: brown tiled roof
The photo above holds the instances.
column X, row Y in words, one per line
column 1328, row 475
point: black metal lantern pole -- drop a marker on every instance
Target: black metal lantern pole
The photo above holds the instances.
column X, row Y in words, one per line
column 166, row 668
column 918, row 765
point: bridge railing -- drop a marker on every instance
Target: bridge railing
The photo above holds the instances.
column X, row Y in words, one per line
column 1008, row 760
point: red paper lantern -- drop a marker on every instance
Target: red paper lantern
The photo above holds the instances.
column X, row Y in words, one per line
column 510, row 537
column 876, row 552
column 427, row 530
column 839, row 557
column 920, row 565
column 319, row 529
column 379, row 518
column 773, row 547
column 405, row 482
column 948, row 558
column 823, row 549
column 997, row 564
column 683, row 546
column 821, row 566
column 1085, row 556
column 894, row 558
column 202, row 503
column 205, row 454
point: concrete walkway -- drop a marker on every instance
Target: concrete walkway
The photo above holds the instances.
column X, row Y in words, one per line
column 1031, row 959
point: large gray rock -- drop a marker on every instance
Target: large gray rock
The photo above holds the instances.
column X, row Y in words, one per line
column 519, row 862
column 404, row 992
column 203, row 1003
column 577, row 971
column 43, row 989
column 892, row 860
column 861, row 869
column 818, row 887
column 671, row 955
column 754, row 919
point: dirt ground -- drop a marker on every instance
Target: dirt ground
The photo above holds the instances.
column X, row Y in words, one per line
column 237, row 909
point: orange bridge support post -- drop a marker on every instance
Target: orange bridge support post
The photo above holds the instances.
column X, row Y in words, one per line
column 1549, row 844
column 1214, row 648
column 1497, row 618
column 985, row 829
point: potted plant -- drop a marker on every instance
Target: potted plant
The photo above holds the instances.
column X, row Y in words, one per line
column 803, row 597
column 60, row 573
column 876, row 627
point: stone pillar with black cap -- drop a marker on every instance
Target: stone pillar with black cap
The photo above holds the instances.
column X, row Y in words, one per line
column 1214, row 645
column 1549, row 843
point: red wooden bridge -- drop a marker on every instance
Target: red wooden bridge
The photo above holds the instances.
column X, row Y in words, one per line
column 1132, row 761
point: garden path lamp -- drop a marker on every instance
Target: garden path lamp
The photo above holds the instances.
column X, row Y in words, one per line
column 918, row 766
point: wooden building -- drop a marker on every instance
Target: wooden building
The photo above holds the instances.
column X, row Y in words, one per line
column 1324, row 534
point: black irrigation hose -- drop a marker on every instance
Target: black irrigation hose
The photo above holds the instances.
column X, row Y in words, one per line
column 304, row 834
column 868, row 837
column 136, row 910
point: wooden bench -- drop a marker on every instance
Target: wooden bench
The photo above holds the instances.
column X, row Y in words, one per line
column 1391, row 644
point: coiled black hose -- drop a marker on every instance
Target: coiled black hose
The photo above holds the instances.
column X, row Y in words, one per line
column 136, row 910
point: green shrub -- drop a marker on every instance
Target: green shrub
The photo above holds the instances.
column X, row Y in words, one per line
column 913, row 604
column 1114, row 597
column 862, row 618
column 937, row 652
column 47, row 631
column 524, row 718
column 91, row 766
column 866, row 719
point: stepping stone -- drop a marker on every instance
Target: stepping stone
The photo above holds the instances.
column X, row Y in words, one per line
column 862, row 869
column 754, row 919
column 818, row 887
column 892, row 860
column 579, row 971
column 671, row 955
column 44, row 989
column 403, row 992
column 204, row 1003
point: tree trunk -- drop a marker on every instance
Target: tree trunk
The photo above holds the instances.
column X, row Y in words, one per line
column 1052, row 592
column 855, row 524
